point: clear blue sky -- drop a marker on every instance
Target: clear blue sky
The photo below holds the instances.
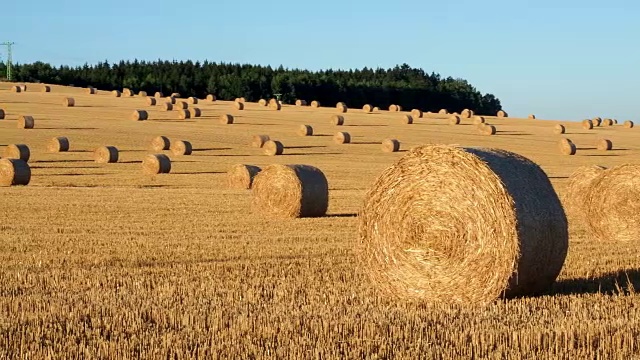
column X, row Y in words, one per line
column 558, row 59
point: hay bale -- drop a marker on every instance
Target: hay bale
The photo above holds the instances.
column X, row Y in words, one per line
column 305, row 130
column 337, row 120
column 604, row 145
column 290, row 191
column 399, row 107
column 23, row 87
column 416, row 113
column 615, row 121
column 158, row 94
column 26, row 122
column 532, row 116
column 184, row 114
column 139, row 115
column 2, row 114
column 160, row 143
column 477, row 120
column 598, row 121
column 151, row 101
column 367, row 108
column 416, row 239
column 342, row 108
column 407, row 119
column 567, row 147
column 466, row 114
column 275, row 106
column 16, row 89
column 68, row 102
column 393, row 108
column 263, row 102
column 390, row 145
column 176, row 95
column 575, row 198
column 181, row 147
column 375, row 108
column 226, row 119
column 628, row 124
column 46, row 88
column 487, row 129
column 142, row 93
column 257, row 141
column 127, row 92
column 502, row 114
column 559, row 129
column 154, row 164
column 273, row 148
column 240, row 176
column 211, row 97
column 192, row 100
column 454, row 120
column 116, row 93
column 301, row 102
column 90, row 91
column 315, row 104
column 167, row 106
column 238, row 105
column 607, row 122
column 587, row 124
column 171, row 100
column 242, row 100
column 342, row 137
column 58, row 144
column 180, row 105
column 106, row 155
column 17, row 151
column 196, row 112
column 14, row 172
column 443, row 112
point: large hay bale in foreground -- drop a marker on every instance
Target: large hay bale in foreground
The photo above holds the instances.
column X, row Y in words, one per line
column 184, row 114
column 290, row 191
column 341, row 107
column 367, row 108
column 567, row 147
column 575, row 196
column 390, row 145
column 226, row 119
column 342, row 137
column 238, row 105
column 315, row 104
column 301, row 102
column 139, row 115
column 58, row 144
column 273, row 148
column 151, row 101
column 587, row 124
column 17, row 151
column 604, row 144
column 181, row 147
column 154, row 164
column 502, row 114
column 417, row 241
column 26, row 122
column 211, row 97
column 160, row 143
column 106, row 155
column 628, row 124
column 407, row 119
column 68, row 102
column 558, row 129
column 416, row 113
column 240, row 176
column 257, row 141
column 337, row 120
column 305, row 130
column 14, row 172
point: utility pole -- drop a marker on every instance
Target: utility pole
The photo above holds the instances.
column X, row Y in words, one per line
column 8, row 44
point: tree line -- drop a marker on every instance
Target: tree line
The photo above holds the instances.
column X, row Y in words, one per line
column 401, row 85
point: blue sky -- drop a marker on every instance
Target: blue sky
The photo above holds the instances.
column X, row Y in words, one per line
column 557, row 59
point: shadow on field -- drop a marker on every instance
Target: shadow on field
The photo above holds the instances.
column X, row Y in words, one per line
column 211, row 149
column 366, row 142
column 367, row 125
column 314, row 154
column 61, row 161
column 322, row 135
column 343, row 215
column 65, row 167
column 79, row 151
column 586, row 148
column 79, row 174
column 306, row 147
column 130, row 162
column 558, row 177
column 512, row 133
column 65, row 128
column 197, row 172
column 601, row 155
column 248, row 123
column 619, row 282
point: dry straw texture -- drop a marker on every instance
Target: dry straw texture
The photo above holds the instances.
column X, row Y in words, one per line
column 17, row 151
column 613, row 204
column 390, row 145
column 238, row 105
column 14, row 172
column 301, row 102
column 167, row 106
column 184, row 114
column 58, row 144
column 160, row 143
column 337, row 120
column 192, row 100
column 607, row 122
column 598, row 121
column 587, row 124
column 257, row 141
column 342, row 137
column 263, row 102
column 273, row 148
column 68, row 102
column 116, row 93
column 575, row 196
column 226, row 119
column 171, row 100
column 466, row 113
column 407, row 119
column 106, row 155
column 416, row 113
column 487, row 129
column 477, row 120
column 305, row 130
column 139, row 115
column 502, row 114
column 181, row 105
column 16, row 89
column 558, row 129
column 158, row 94
column 196, row 112
column 240, row 176
column 290, row 191
column 417, row 241
column 181, row 147
column 315, row 104
column 628, row 124
column 604, row 144
column 26, row 122
column 211, row 97
column 567, row 147
column 46, row 88
column 454, row 120
column 151, row 101
column 367, row 108
column 156, row 164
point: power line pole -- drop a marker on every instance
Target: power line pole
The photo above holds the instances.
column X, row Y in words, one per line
column 9, row 44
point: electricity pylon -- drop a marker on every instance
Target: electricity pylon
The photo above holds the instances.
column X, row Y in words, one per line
column 8, row 44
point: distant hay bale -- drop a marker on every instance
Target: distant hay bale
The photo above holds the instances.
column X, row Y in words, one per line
column 367, row 108
column 176, row 95
column 90, row 91
column 407, row 119
column 301, row 102
column 532, row 116
column 240, row 176
column 598, row 121
column 604, row 145
column 167, row 106
column 171, row 100
column 180, row 105
column 68, row 102
column 390, row 145
column 315, row 104
column 612, row 204
column 466, row 113
column 184, row 114
column 139, row 115
column 2, row 114
column 273, row 148
column 116, row 93
column 263, row 102
column 181, row 147
column 16, row 89
column 23, row 87
column 575, row 198
column 151, row 101
column 559, row 129
column 106, row 155
column 399, row 107
column 196, row 112
column 14, row 172
column 257, row 141
column 154, row 164
column 46, row 88
column 587, row 124
column 242, row 100
column 416, row 113
column 487, row 129
column 477, row 120
column 567, row 147
column 342, row 137
column 58, row 144
column 393, row 108
column 226, row 119
column 211, row 97
column 26, row 122
column 192, row 100
column 443, row 112
column 342, row 107
column 127, row 92
column 375, row 108
column 158, row 94
column 454, row 120
column 238, row 105
column 607, row 122
column 615, row 121
column 416, row 239
column 337, row 120
column 142, row 93
column 160, row 143
column 17, row 151
column 275, row 106
column 305, row 130
column 628, row 124
column 502, row 114
column 290, row 191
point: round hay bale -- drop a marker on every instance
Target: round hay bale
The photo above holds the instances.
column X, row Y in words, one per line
column 587, row 124
column 567, row 147
column 196, row 112
column 238, row 105
column 192, row 100
column 416, row 240
column 58, row 144
column 454, row 120
column 26, row 122
column 154, row 164
column 342, row 137
column 242, row 100
column 184, row 114
column 181, row 147
column 615, row 121
column 158, row 94
column 305, row 130
column 407, row 119
column 2, row 114
column 367, row 108
column 607, row 122
column 558, row 129
column 139, row 115
column 273, row 148
column 46, row 88
column 315, row 104
column 502, row 114
column 176, row 95
column 257, row 141
column 465, row 114
column 576, row 192
column 240, row 176
column 477, row 120
column 23, row 87
column 275, row 106
column 390, row 145
column 290, row 191
column 151, row 101
column 14, row 172
column 106, row 155
column 337, row 120
column 180, row 105
column 598, row 121
column 127, row 92
column 532, row 116
column 488, row 130
column 628, row 124
column 171, row 100
column 16, row 89
column 167, row 106
column 142, row 93
column 211, row 97
column 263, row 102
column 342, row 108
column 116, row 93
column 226, row 119
column 301, row 102
column 68, row 102
column 375, row 108
column 17, row 151
column 416, row 113
column 399, row 107
column 443, row 112
column 90, row 91
column 160, row 143
column 393, row 108
column 604, row 145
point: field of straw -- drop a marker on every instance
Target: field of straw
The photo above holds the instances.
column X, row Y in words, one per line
column 105, row 260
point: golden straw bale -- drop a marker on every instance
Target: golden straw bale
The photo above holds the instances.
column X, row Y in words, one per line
column 180, row 105
column 604, row 144
column 2, row 114
column 226, row 119
column 443, row 112
column 90, row 91
column 598, row 121
column 46, row 88
column 211, row 97
column 26, row 122
column 487, row 129
column 160, row 143
column 407, row 119
column 567, row 147
column 17, row 151
column 275, row 106
column 16, row 89
column 305, row 130
column 192, row 100
column 196, row 112
column 559, row 129
column 393, row 108
column 142, row 93
column 477, row 120
column 454, row 120
column 116, row 93
column 375, row 108
column 238, row 105
column 106, row 155
column 263, row 102
column 628, row 124
column 258, row 141
column 587, row 124
column 465, row 114
column 337, row 120
column 367, row 108
column 390, row 145
column 151, row 101
column 14, row 172
column 502, row 114
column 171, row 100
column 416, row 113
column 23, row 87
column 575, row 197
column 167, row 106
column 184, row 114
column 273, row 148
column 127, row 92
column 399, row 108
column 342, row 137
column 158, row 94
column 615, row 121
column 532, row 116
column 607, row 122
column 58, row 144
column 315, row 104
column 139, row 115
column 301, row 102
column 242, row 100
column 154, row 164
column 181, row 147
column 342, row 108
column 68, row 102
column 240, row 176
